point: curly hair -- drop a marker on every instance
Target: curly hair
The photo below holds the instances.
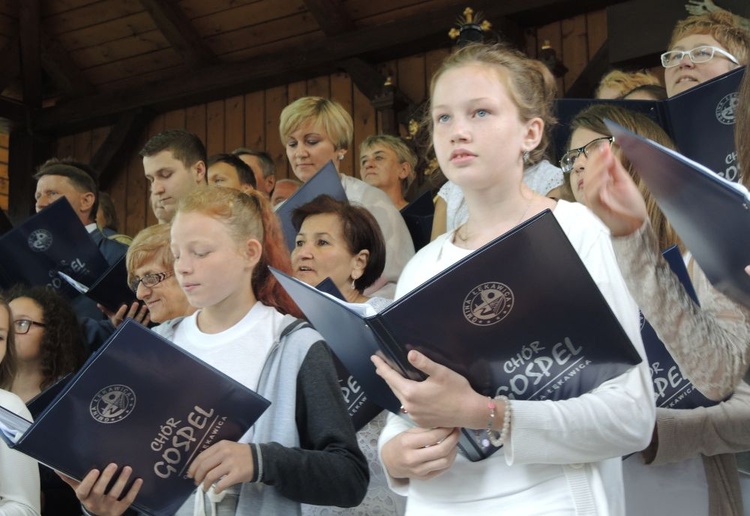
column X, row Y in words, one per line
column 8, row 362
column 62, row 350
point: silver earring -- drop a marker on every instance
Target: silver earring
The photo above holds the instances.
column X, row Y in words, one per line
column 341, row 157
column 353, row 286
column 525, row 157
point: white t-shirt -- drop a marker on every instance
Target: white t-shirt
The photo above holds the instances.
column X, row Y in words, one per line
column 240, row 351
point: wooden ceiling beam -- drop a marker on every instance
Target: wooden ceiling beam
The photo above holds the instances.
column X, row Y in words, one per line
column 330, row 15
column 180, row 32
column 119, row 144
column 62, row 69
column 394, row 38
column 10, row 62
column 29, row 19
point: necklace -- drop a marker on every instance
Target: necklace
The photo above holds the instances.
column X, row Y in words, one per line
column 465, row 237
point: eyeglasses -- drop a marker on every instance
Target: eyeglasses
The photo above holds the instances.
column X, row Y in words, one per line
column 150, row 280
column 568, row 160
column 697, row 55
column 22, row 326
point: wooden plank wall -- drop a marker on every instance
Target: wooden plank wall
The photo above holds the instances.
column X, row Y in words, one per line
column 251, row 120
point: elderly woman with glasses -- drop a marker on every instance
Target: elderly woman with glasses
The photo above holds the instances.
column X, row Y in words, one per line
column 703, row 47
column 150, row 267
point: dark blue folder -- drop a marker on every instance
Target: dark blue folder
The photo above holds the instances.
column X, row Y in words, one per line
column 700, row 120
column 671, row 389
column 144, row 402
column 521, row 316
column 360, row 408
column 710, row 214
column 325, row 182
column 111, row 289
column 51, row 241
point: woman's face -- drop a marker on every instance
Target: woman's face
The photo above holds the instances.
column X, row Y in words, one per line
column 211, row 267
column 321, row 252
column 308, row 149
column 687, row 74
column 471, row 112
column 381, row 168
column 165, row 300
column 29, row 344
column 4, row 331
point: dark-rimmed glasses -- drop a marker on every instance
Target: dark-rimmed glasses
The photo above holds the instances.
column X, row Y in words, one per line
column 702, row 54
column 150, row 280
column 22, row 326
column 567, row 162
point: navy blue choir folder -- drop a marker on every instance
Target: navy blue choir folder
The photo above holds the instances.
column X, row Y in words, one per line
column 51, row 241
column 671, row 389
column 111, row 289
column 361, row 409
column 700, row 120
column 325, row 182
column 139, row 401
column 710, row 214
column 418, row 216
column 521, row 316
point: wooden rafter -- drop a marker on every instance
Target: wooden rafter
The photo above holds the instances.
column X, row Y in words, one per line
column 387, row 41
column 64, row 72
column 180, row 32
column 31, row 68
column 330, row 15
column 119, row 144
column 10, row 62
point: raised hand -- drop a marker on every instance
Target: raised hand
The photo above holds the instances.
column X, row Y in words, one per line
column 420, row 453
column 612, row 194
column 697, row 7
column 136, row 311
column 93, row 494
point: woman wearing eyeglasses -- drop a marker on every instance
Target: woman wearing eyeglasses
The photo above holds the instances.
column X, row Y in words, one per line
column 150, row 267
column 701, row 48
column 19, row 474
column 48, row 346
column 689, row 468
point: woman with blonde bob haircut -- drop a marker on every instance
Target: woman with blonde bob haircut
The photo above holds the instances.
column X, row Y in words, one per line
column 317, row 130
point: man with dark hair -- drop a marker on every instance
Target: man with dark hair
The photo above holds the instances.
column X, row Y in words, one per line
column 262, row 166
column 174, row 162
column 230, row 171
column 66, row 178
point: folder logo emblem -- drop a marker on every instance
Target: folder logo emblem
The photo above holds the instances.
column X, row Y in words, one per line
column 488, row 303
column 112, row 404
column 725, row 109
column 40, row 240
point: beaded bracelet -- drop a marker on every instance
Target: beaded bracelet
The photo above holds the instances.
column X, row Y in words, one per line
column 498, row 441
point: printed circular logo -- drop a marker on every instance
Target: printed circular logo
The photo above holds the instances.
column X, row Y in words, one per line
column 40, row 240
column 488, row 303
column 725, row 109
column 112, row 404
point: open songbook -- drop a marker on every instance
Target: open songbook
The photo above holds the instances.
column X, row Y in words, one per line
column 139, row 401
column 710, row 214
column 521, row 316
